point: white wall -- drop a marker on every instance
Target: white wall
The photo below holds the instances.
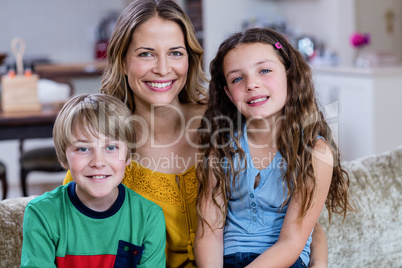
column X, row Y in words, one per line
column 224, row 17
column 331, row 22
column 63, row 30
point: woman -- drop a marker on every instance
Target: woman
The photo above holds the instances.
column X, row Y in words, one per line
column 155, row 67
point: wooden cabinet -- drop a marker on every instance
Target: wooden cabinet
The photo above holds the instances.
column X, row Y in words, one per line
column 363, row 108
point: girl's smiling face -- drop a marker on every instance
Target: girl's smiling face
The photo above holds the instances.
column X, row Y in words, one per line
column 256, row 80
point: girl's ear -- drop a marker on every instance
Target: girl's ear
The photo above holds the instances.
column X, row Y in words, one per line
column 228, row 93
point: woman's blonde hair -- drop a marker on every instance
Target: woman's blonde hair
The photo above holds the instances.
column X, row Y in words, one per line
column 115, row 81
column 93, row 114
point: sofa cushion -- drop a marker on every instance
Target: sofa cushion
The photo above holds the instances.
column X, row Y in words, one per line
column 11, row 218
column 372, row 236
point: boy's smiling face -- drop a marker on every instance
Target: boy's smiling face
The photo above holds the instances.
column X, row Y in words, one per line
column 97, row 165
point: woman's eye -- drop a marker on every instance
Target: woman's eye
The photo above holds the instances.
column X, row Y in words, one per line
column 237, row 79
column 111, row 147
column 176, row 53
column 145, row 54
column 264, row 71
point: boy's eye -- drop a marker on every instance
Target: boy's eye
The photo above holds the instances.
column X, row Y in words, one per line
column 82, row 149
column 111, row 147
column 237, row 79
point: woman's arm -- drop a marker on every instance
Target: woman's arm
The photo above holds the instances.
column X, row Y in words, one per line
column 319, row 248
column 294, row 233
column 209, row 240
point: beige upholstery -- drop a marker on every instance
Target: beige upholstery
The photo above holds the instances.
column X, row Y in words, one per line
column 369, row 238
column 3, row 179
column 372, row 237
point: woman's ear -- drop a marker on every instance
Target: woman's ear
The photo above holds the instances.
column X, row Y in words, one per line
column 124, row 67
column 228, row 93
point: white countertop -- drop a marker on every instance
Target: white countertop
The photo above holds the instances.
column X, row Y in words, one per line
column 352, row 70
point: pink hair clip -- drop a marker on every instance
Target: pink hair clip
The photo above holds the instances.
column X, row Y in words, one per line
column 278, row 45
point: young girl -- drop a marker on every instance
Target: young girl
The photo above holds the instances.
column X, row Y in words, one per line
column 270, row 163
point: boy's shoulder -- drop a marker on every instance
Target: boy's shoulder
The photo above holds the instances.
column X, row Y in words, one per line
column 137, row 198
column 50, row 196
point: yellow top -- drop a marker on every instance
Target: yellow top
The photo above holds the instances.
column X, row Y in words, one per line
column 176, row 194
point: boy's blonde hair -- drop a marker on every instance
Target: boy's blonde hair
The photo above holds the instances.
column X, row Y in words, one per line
column 93, row 114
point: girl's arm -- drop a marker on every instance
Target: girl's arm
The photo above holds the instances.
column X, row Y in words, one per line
column 294, row 233
column 208, row 248
column 319, row 248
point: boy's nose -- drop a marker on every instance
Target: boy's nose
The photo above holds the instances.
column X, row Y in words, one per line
column 98, row 160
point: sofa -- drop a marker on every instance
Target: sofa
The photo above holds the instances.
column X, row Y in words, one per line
column 370, row 237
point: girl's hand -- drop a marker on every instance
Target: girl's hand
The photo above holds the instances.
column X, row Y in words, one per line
column 294, row 233
column 319, row 248
column 208, row 247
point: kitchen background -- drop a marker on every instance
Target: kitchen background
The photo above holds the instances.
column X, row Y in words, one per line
column 361, row 103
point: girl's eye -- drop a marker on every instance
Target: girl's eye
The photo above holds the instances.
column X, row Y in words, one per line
column 237, row 79
column 264, row 71
column 145, row 54
column 111, row 147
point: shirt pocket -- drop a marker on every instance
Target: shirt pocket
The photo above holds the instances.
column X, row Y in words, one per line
column 128, row 255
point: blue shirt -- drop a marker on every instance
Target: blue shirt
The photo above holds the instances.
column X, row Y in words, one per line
column 254, row 219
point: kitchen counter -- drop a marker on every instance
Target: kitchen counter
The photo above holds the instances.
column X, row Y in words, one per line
column 69, row 70
column 358, row 71
column 362, row 105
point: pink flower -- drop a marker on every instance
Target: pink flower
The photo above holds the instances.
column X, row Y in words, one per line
column 359, row 40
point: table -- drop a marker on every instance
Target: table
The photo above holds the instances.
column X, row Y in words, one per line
column 27, row 125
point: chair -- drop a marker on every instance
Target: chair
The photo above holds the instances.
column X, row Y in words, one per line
column 39, row 159
column 3, row 179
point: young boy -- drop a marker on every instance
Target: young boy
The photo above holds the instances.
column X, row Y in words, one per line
column 94, row 221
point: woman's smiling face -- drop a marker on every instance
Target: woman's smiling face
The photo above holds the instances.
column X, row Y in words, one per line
column 156, row 63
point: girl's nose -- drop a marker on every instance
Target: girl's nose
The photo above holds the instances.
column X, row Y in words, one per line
column 162, row 66
column 252, row 83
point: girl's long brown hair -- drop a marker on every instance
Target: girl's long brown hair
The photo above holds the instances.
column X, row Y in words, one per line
column 301, row 123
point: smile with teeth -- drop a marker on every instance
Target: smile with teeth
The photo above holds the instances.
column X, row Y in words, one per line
column 160, row 85
column 98, row 177
column 258, row 100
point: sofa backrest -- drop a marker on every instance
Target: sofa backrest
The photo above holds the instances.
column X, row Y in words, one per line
column 11, row 218
column 371, row 237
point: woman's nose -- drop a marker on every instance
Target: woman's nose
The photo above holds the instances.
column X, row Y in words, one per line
column 162, row 66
